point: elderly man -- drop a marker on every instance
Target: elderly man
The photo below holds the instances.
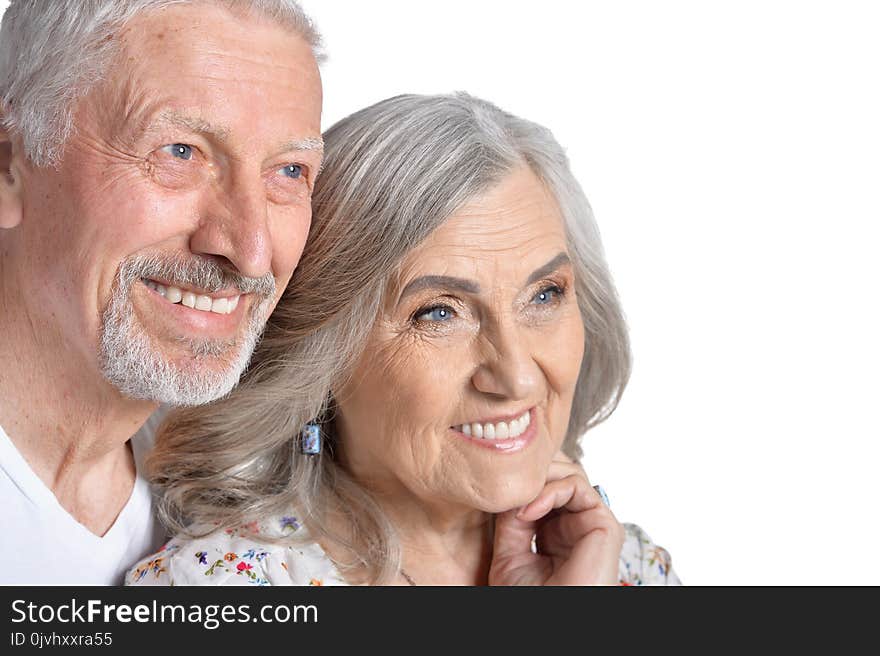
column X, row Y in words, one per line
column 158, row 161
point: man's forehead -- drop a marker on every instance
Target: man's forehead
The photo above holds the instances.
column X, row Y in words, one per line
column 208, row 26
column 202, row 41
column 209, row 81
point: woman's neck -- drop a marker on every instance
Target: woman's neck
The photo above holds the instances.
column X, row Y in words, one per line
column 445, row 548
column 440, row 544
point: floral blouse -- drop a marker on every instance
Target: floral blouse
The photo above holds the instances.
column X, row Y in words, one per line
column 237, row 557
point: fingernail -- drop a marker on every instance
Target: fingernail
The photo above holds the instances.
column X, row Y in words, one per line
column 602, row 495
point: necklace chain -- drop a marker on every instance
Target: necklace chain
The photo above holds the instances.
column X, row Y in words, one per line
column 408, row 578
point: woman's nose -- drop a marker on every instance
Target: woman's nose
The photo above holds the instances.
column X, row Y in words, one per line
column 506, row 366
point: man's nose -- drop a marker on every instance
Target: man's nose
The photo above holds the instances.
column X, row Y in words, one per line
column 234, row 224
column 506, row 367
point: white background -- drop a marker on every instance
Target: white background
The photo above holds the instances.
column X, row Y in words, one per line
column 731, row 152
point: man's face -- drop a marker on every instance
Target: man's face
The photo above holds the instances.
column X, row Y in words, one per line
column 187, row 183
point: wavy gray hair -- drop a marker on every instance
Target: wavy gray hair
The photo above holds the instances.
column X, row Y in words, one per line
column 52, row 52
column 393, row 173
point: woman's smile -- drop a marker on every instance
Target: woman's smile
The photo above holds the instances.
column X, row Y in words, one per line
column 450, row 334
column 506, row 435
column 493, row 342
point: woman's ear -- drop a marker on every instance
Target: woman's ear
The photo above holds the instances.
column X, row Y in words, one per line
column 10, row 179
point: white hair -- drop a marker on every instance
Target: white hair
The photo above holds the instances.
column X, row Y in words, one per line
column 136, row 365
column 52, row 52
column 393, row 173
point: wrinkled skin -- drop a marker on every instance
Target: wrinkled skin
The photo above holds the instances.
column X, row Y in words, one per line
column 503, row 337
column 236, row 91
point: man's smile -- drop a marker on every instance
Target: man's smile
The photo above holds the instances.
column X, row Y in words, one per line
column 219, row 303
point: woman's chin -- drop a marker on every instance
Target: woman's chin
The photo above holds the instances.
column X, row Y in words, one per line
column 504, row 499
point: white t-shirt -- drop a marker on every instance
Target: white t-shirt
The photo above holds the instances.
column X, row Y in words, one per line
column 42, row 544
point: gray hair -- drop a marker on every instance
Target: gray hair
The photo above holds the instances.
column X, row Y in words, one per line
column 130, row 360
column 393, row 173
column 52, row 52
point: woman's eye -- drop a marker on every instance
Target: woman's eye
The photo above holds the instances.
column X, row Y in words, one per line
column 292, row 171
column 439, row 313
column 547, row 295
column 178, row 150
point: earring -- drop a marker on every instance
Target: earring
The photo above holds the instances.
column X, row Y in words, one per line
column 310, row 439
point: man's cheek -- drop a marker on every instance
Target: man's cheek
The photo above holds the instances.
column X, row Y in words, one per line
column 153, row 221
column 288, row 244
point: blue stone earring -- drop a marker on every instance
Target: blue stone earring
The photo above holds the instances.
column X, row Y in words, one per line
column 310, row 442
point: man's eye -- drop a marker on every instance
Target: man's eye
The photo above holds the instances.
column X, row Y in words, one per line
column 292, row 171
column 439, row 313
column 180, row 151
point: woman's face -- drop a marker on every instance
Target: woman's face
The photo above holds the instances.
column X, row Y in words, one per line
column 463, row 394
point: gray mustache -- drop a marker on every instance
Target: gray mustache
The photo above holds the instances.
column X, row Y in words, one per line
column 195, row 272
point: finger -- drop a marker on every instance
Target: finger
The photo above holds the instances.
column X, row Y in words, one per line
column 572, row 493
column 562, row 465
column 586, row 544
column 558, row 534
column 559, row 469
column 512, row 535
column 594, row 559
column 581, row 535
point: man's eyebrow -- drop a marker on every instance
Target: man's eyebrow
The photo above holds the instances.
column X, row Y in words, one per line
column 550, row 267
column 201, row 126
column 191, row 123
column 443, row 282
column 309, row 143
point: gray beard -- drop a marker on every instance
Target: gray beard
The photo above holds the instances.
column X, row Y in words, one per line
column 137, row 367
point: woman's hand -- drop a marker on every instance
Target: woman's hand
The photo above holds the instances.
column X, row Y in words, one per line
column 578, row 538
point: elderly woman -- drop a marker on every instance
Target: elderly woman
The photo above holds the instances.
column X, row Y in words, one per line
column 412, row 415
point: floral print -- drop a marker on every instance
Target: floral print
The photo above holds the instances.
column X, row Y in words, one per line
column 236, row 556
column 289, row 523
column 644, row 563
column 231, row 562
column 154, row 566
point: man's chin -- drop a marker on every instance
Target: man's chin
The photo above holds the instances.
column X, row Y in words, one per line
column 193, row 373
column 187, row 386
column 168, row 353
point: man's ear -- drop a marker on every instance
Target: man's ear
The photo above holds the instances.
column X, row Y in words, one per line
column 10, row 179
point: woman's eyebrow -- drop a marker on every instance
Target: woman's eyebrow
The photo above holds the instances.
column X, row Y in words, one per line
column 471, row 287
column 444, row 282
column 550, row 267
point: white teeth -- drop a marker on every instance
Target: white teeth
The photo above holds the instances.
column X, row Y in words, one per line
column 201, row 302
column 499, row 431
column 173, row 294
column 204, row 303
